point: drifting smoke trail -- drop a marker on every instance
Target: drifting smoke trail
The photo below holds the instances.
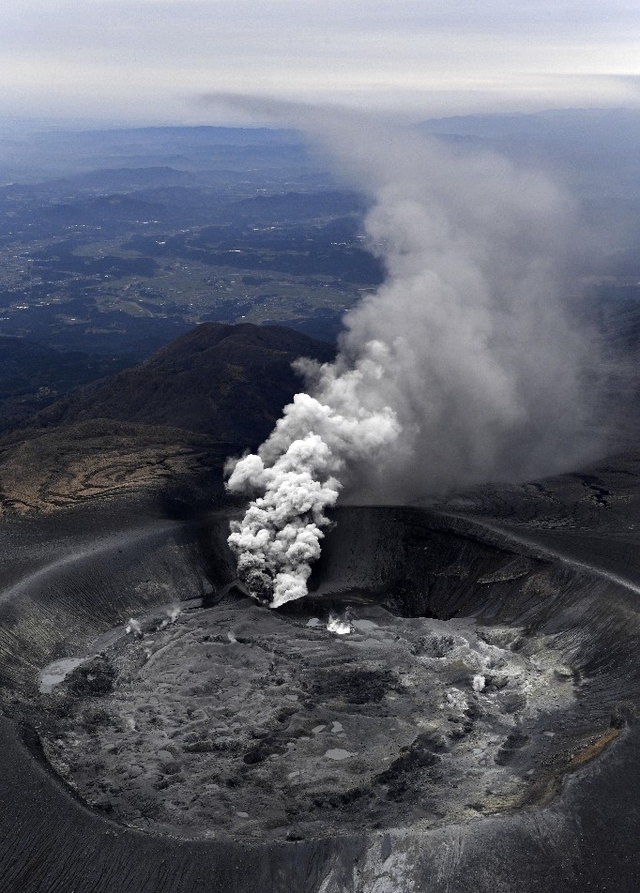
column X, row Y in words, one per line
column 463, row 367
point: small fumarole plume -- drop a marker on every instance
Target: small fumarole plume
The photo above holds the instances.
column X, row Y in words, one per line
column 465, row 366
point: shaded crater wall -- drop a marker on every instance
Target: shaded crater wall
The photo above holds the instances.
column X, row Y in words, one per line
column 414, row 562
column 419, row 563
column 75, row 588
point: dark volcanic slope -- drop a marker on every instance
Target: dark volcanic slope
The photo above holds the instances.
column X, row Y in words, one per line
column 163, row 426
column 229, row 382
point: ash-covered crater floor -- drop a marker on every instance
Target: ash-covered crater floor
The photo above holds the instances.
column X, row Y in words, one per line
column 475, row 729
column 240, row 721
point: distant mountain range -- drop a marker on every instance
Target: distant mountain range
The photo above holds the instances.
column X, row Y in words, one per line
column 71, row 150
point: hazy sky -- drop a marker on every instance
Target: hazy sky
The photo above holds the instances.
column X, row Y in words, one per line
column 148, row 59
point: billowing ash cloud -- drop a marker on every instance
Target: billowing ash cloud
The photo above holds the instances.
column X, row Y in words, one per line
column 298, row 471
column 465, row 366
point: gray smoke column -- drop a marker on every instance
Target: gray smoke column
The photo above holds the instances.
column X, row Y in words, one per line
column 465, row 366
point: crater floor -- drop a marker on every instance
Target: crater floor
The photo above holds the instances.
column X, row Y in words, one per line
column 239, row 721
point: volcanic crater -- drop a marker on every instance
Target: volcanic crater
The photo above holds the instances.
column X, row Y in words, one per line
column 431, row 677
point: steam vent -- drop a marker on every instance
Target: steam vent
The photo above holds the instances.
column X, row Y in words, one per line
column 453, row 707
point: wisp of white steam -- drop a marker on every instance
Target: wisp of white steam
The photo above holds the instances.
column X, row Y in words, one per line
column 465, row 366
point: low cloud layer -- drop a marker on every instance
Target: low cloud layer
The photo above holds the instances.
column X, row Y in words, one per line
column 465, row 366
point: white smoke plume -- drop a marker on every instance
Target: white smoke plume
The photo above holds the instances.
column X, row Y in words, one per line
column 133, row 626
column 339, row 627
column 298, row 472
column 465, row 366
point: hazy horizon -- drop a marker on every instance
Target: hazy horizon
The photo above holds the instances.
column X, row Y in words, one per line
column 228, row 116
column 149, row 61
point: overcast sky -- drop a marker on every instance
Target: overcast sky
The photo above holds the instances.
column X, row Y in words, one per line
column 148, row 60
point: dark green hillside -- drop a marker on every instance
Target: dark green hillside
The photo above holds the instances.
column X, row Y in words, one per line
column 228, row 382
column 33, row 375
column 162, row 429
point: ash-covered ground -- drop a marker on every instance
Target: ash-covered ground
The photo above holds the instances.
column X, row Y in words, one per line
column 240, row 721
